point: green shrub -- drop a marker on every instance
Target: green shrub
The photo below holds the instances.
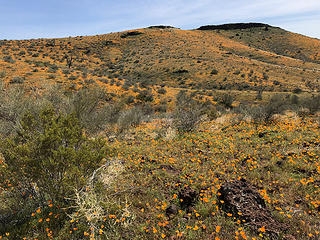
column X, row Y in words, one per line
column 214, row 72
column 52, row 152
column 162, row 91
column 8, row 59
column 145, row 96
column 297, row 90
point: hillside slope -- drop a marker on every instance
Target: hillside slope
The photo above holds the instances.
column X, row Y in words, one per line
column 274, row 40
column 240, row 59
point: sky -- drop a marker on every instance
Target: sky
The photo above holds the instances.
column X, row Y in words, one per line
column 25, row 19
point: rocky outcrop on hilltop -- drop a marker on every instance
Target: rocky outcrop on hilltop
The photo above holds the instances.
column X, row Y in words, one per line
column 234, row 26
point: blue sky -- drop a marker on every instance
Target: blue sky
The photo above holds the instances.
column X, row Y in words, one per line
column 24, row 19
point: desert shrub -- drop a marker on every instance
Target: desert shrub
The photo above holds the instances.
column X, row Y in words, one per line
column 51, row 76
column 226, row 100
column 17, row 79
column 84, row 74
column 294, row 99
column 265, row 76
column 276, row 83
column 129, row 99
column 145, row 96
column 214, row 72
column 103, row 80
column 52, row 69
column 48, row 160
column 125, row 87
column 73, row 77
column 89, row 106
column 161, row 107
column 130, row 117
column 208, row 109
column 22, row 53
column 312, row 103
column 89, row 81
column 297, row 90
column 2, row 74
column 259, row 93
column 162, row 91
column 8, row 59
column 187, row 114
column 66, row 71
column 13, row 104
column 136, row 90
column 276, row 104
column 144, row 83
column 263, row 113
column 51, row 151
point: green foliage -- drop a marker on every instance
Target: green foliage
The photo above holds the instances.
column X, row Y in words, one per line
column 162, row 91
column 52, row 152
column 8, row 59
column 145, row 96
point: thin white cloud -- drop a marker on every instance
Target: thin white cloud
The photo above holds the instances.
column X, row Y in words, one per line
column 185, row 12
column 84, row 17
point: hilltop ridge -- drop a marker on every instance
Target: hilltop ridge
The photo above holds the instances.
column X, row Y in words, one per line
column 243, row 57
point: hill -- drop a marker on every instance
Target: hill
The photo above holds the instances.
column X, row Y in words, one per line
column 233, row 59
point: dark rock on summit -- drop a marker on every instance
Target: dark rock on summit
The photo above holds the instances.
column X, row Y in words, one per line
column 234, row 26
column 160, row 27
column 130, row 34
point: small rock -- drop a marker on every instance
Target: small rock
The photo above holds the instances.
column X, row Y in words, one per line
column 188, row 197
column 171, row 210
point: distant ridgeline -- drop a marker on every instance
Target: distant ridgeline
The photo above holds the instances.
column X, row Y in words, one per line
column 234, row 26
column 160, row 27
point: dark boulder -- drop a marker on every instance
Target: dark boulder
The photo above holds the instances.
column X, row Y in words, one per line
column 188, row 198
column 244, row 202
column 171, row 210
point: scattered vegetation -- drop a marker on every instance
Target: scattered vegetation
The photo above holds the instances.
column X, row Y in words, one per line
column 121, row 136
